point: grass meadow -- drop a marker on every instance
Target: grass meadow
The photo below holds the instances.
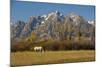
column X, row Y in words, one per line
column 51, row 57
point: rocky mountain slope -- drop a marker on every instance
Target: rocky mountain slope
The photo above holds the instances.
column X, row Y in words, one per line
column 54, row 25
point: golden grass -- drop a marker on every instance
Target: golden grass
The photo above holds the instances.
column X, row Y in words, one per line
column 48, row 57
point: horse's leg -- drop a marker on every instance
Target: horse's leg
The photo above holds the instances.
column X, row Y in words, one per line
column 41, row 50
column 36, row 50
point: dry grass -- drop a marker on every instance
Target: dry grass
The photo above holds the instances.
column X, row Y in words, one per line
column 48, row 57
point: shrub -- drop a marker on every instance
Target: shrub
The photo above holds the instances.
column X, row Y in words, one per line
column 54, row 45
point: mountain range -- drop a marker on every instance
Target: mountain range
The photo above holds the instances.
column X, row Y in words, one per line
column 54, row 25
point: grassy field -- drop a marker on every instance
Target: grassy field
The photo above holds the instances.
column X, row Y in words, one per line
column 48, row 57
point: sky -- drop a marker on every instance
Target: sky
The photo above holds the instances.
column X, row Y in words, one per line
column 21, row 10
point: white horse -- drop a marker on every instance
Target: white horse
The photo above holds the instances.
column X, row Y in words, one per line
column 38, row 49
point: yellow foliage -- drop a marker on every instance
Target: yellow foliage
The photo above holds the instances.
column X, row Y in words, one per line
column 31, row 38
